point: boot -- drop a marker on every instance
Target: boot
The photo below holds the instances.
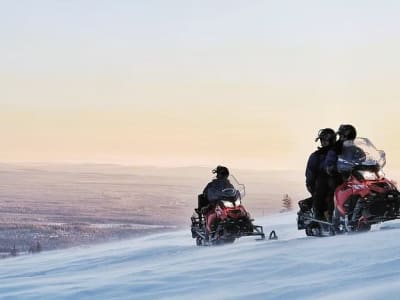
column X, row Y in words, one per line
column 327, row 216
column 207, row 237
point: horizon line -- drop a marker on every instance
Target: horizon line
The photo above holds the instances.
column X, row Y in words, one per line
column 127, row 165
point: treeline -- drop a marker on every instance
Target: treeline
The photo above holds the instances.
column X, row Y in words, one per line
column 14, row 251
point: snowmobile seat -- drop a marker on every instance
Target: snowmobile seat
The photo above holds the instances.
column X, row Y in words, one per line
column 202, row 202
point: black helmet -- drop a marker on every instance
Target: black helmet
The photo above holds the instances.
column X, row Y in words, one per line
column 221, row 171
column 327, row 134
column 347, row 132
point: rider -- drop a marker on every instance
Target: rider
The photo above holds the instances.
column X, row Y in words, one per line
column 317, row 180
column 212, row 194
column 347, row 134
column 344, row 146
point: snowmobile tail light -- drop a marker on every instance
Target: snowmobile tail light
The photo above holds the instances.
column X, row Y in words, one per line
column 227, row 203
column 368, row 175
column 238, row 202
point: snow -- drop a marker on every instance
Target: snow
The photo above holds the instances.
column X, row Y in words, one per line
column 170, row 266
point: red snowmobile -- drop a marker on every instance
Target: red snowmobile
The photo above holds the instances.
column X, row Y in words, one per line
column 233, row 221
column 365, row 197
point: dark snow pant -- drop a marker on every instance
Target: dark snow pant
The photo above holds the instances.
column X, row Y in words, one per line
column 320, row 197
column 333, row 183
column 324, row 191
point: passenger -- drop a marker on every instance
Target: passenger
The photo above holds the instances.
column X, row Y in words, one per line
column 345, row 144
column 317, row 180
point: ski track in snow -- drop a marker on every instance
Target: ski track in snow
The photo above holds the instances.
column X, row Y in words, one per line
column 170, row 266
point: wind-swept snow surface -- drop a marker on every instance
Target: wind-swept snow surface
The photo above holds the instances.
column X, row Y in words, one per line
column 170, row 266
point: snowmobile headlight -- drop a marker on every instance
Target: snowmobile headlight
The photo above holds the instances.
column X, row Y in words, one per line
column 227, row 203
column 238, row 202
column 368, row 175
column 381, row 174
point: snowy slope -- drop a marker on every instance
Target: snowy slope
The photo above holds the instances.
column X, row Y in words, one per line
column 169, row 266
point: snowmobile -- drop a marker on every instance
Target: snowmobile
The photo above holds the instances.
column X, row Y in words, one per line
column 233, row 221
column 364, row 198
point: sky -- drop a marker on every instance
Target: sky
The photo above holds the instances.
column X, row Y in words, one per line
column 170, row 266
column 173, row 83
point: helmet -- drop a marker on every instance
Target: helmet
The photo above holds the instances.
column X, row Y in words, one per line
column 326, row 135
column 347, row 132
column 221, row 171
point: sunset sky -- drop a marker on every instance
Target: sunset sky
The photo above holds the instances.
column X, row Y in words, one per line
column 176, row 83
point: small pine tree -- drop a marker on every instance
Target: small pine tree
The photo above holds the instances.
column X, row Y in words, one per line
column 286, row 203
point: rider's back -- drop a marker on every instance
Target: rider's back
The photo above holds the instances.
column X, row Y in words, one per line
column 214, row 189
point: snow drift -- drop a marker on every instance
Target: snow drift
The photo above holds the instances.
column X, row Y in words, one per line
column 170, row 266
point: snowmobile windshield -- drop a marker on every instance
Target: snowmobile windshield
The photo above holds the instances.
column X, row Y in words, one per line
column 362, row 155
column 238, row 186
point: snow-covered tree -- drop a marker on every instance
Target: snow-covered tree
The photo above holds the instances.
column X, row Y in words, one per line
column 286, row 203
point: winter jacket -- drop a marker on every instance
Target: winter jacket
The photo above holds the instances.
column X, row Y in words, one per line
column 330, row 161
column 350, row 153
column 213, row 190
column 315, row 167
